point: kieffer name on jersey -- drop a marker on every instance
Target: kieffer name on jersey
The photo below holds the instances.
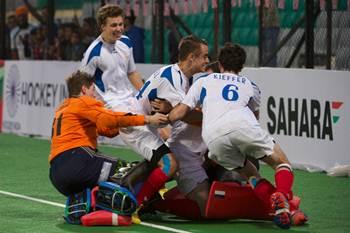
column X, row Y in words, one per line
column 232, row 78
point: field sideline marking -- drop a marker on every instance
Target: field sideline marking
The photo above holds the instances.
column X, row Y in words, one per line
column 61, row 205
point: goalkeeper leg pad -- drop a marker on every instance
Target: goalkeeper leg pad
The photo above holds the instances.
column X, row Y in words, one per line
column 115, row 198
column 77, row 205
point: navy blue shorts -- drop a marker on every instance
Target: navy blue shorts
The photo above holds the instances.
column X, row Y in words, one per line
column 79, row 168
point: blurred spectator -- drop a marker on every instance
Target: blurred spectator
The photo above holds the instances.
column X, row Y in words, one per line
column 137, row 36
column 75, row 49
column 20, row 35
column 174, row 37
column 11, row 23
column 65, row 41
column 270, row 31
column 89, row 30
column 53, row 52
column 36, row 42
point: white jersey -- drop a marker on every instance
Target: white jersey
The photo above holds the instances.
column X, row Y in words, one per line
column 171, row 84
column 110, row 65
column 227, row 101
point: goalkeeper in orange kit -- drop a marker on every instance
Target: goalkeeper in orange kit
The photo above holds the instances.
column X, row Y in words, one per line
column 75, row 163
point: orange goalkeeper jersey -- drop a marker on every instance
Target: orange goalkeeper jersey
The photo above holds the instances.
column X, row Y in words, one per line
column 78, row 122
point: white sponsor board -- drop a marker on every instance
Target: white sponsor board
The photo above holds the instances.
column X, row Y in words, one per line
column 307, row 111
column 34, row 89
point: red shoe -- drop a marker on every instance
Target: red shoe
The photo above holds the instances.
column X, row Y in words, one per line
column 298, row 218
column 280, row 206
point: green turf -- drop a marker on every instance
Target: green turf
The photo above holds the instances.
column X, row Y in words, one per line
column 24, row 170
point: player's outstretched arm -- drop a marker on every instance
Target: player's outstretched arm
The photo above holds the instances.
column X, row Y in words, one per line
column 178, row 113
column 194, row 117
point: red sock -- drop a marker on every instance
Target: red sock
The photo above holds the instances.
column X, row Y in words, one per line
column 284, row 181
column 153, row 183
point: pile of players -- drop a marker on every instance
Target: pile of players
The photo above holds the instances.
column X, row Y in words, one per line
column 212, row 146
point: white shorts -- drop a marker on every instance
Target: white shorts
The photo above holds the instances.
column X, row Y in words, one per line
column 230, row 150
column 142, row 140
column 139, row 138
column 190, row 171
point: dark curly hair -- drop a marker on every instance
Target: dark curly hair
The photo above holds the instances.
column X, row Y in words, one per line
column 232, row 57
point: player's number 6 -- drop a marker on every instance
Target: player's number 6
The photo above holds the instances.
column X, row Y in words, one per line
column 229, row 92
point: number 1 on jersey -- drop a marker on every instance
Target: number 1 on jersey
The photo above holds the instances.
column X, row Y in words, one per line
column 58, row 125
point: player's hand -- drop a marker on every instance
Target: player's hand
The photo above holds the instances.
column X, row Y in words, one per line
column 157, row 119
column 162, row 106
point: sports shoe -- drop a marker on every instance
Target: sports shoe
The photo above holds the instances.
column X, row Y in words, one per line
column 298, row 218
column 280, row 205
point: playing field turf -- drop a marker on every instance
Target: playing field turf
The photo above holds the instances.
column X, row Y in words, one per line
column 24, row 171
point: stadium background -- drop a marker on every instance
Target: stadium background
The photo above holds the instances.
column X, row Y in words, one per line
column 16, row 176
column 236, row 21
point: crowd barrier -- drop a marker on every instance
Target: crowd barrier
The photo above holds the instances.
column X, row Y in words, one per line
column 1, row 88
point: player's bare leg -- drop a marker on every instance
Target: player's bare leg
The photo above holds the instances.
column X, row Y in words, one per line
column 200, row 195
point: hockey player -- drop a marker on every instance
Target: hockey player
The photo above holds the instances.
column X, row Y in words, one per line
column 110, row 60
column 231, row 131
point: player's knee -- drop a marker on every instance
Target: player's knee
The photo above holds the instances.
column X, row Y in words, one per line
column 164, row 159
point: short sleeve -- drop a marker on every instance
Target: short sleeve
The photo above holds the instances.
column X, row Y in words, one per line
column 131, row 63
column 193, row 97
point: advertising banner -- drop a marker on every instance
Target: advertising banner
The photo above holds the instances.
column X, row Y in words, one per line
column 32, row 91
column 307, row 112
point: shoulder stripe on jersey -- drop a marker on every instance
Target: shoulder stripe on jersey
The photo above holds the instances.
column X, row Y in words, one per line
column 202, row 76
column 202, row 95
column 98, row 79
column 152, row 95
column 143, row 88
column 180, row 77
column 126, row 41
column 168, row 75
column 95, row 52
